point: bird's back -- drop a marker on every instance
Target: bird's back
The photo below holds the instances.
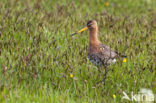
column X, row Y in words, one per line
column 102, row 55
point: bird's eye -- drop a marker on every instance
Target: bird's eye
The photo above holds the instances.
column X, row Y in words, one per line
column 89, row 25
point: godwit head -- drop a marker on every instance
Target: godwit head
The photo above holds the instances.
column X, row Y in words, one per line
column 92, row 25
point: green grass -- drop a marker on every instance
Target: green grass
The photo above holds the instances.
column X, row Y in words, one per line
column 37, row 54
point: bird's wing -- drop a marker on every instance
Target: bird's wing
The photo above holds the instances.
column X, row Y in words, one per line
column 107, row 52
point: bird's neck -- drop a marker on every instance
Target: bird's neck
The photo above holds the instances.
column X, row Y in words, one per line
column 93, row 37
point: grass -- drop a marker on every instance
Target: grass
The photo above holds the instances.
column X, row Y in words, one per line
column 38, row 55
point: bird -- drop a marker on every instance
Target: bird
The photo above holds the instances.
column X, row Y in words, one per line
column 98, row 53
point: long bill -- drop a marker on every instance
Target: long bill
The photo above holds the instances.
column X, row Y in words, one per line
column 83, row 29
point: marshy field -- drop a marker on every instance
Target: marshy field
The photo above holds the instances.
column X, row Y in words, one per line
column 41, row 63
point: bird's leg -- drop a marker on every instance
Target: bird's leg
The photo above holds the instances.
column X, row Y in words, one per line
column 100, row 71
column 105, row 75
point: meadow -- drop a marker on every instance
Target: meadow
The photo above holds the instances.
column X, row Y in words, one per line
column 41, row 63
